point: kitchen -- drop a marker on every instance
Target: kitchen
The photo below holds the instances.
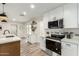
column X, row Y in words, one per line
column 53, row 31
column 64, row 23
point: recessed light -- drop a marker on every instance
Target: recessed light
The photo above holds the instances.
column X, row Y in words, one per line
column 14, row 19
column 32, row 6
column 23, row 13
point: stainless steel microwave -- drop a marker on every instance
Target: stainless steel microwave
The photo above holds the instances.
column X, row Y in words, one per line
column 55, row 24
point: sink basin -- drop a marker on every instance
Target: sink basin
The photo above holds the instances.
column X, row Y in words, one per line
column 9, row 36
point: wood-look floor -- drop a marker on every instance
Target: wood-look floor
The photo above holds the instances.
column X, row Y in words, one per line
column 28, row 49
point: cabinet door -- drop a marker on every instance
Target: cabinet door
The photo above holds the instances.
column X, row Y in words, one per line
column 58, row 13
column 10, row 49
column 70, row 16
column 78, row 14
column 42, row 43
column 69, row 49
column 45, row 21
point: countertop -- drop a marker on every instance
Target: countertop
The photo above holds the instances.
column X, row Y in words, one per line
column 73, row 40
column 7, row 40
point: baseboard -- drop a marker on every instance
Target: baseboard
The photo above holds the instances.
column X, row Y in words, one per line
column 45, row 52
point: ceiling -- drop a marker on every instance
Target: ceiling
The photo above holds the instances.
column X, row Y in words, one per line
column 14, row 10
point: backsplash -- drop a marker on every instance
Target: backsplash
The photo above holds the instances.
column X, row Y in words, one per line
column 13, row 28
column 55, row 30
column 74, row 30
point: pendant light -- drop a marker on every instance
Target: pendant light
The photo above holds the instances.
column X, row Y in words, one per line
column 3, row 16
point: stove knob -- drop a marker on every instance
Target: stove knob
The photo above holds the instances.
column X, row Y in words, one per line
column 56, row 49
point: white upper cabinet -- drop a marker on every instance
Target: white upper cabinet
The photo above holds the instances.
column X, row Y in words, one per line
column 78, row 15
column 45, row 21
column 53, row 15
column 56, row 13
column 69, row 12
column 70, row 16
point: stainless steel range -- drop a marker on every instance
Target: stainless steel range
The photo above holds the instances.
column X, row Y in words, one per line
column 53, row 43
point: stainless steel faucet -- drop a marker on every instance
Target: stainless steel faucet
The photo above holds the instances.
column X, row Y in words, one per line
column 6, row 31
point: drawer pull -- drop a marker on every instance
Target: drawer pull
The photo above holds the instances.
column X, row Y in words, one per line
column 68, row 44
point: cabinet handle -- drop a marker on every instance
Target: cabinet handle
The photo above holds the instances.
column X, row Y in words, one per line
column 68, row 44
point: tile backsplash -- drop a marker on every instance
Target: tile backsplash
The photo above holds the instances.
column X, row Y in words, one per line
column 74, row 30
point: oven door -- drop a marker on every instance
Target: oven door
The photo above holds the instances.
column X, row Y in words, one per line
column 53, row 46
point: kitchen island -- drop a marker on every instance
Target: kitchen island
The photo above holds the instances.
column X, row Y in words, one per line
column 10, row 46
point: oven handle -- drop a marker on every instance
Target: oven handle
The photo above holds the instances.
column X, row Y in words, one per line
column 54, row 40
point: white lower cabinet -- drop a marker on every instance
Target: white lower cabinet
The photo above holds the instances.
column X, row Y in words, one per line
column 70, row 16
column 69, row 49
column 42, row 43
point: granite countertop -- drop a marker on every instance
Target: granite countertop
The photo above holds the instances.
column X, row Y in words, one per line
column 10, row 39
column 73, row 40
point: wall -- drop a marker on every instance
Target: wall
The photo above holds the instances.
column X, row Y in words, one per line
column 21, row 30
column 14, row 28
column 8, row 26
column 75, row 30
column 33, row 36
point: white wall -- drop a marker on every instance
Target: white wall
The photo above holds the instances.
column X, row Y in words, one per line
column 14, row 28
column 34, row 36
column 8, row 26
